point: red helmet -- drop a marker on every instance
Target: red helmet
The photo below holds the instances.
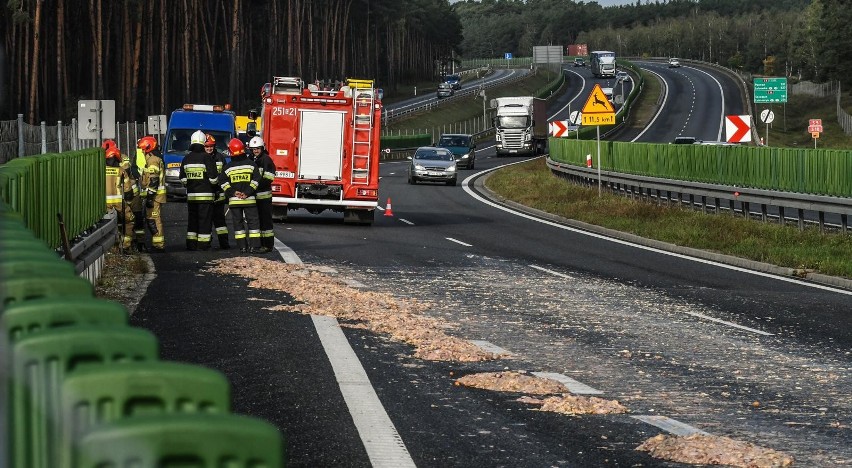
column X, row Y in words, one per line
column 107, row 144
column 113, row 152
column 147, row 144
column 210, row 140
column 236, row 147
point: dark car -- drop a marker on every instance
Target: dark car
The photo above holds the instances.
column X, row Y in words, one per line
column 686, row 140
column 454, row 81
column 462, row 146
column 578, row 62
column 432, row 164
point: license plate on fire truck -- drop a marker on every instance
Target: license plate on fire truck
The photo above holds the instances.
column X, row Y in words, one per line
column 284, row 174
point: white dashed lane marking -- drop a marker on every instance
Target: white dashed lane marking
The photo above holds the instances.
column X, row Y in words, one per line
column 573, row 386
column 490, row 347
column 672, row 426
column 459, row 242
column 406, row 221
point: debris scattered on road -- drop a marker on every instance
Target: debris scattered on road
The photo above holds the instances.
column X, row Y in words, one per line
column 577, row 404
column 561, row 402
column 513, row 382
column 705, row 449
column 317, row 293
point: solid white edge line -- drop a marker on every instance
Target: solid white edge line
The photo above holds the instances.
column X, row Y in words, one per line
column 459, row 242
column 694, row 314
column 672, row 426
column 287, row 254
column 466, row 187
column 573, row 386
column 382, row 442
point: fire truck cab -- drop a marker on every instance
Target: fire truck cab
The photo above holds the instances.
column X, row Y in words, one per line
column 324, row 140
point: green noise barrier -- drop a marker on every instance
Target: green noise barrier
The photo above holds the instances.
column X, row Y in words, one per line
column 815, row 172
column 99, row 395
column 38, row 188
column 41, row 361
column 197, row 440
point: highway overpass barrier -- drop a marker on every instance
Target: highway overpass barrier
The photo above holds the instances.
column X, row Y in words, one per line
column 79, row 387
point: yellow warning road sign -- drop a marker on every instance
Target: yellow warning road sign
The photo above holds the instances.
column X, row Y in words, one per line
column 598, row 110
column 597, row 102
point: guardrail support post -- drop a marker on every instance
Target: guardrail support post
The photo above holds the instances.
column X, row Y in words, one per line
column 59, row 134
column 801, row 219
column 781, row 215
column 821, row 216
column 20, row 135
column 843, row 221
column 43, row 137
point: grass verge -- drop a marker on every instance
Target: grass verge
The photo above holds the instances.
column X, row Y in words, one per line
column 532, row 184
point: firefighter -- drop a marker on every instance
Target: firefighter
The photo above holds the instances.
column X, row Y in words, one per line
column 240, row 180
column 219, row 201
column 198, row 174
column 153, row 186
column 264, row 193
column 121, row 188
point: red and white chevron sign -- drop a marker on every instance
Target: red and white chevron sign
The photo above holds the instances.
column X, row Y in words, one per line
column 738, row 128
column 559, row 128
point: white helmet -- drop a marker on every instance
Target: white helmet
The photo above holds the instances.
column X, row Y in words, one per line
column 256, row 142
column 198, row 137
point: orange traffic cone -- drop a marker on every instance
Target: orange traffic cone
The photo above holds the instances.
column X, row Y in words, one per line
column 388, row 210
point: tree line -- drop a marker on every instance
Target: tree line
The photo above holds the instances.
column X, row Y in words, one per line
column 806, row 39
column 151, row 56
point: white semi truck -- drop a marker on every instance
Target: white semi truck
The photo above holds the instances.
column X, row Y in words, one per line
column 520, row 125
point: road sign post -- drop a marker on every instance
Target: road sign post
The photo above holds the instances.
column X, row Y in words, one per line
column 767, row 116
column 598, row 111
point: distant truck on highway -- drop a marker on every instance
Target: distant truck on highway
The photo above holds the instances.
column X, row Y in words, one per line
column 602, row 63
column 216, row 120
column 520, row 125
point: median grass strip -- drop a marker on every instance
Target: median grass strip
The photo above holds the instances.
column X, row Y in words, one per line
column 532, row 184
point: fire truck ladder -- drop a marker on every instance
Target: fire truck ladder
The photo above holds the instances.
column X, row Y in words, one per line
column 363, row 101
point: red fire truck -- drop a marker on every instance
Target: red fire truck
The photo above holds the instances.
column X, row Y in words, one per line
column 324, row 139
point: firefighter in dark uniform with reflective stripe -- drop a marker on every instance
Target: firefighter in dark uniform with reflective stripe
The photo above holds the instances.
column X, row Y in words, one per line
column 220, row 226
column 153, row 185
column 264, row 193
column 198, row 174
column 240, row 180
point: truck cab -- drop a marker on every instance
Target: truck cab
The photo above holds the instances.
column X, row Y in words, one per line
column 520, row 125
column 215, row 120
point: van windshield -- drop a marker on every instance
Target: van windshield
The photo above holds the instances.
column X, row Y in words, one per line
column 178, row 140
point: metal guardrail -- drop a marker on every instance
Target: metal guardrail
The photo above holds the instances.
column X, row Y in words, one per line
column 390, row 115
column 696, row 193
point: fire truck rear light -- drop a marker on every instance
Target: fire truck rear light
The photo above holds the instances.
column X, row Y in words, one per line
column 276, row 188
column 368, row 193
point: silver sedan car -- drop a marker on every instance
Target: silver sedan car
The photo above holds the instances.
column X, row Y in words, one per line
column 432, row 164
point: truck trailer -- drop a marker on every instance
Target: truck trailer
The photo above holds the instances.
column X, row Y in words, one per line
column 324, row 141
column 520, row 125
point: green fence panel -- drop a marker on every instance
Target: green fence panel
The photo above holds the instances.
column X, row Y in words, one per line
column 820, row 171
column 40, row 362
column 166, row 442
column 26, row 318
column 27, row 288
column 95, row 396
